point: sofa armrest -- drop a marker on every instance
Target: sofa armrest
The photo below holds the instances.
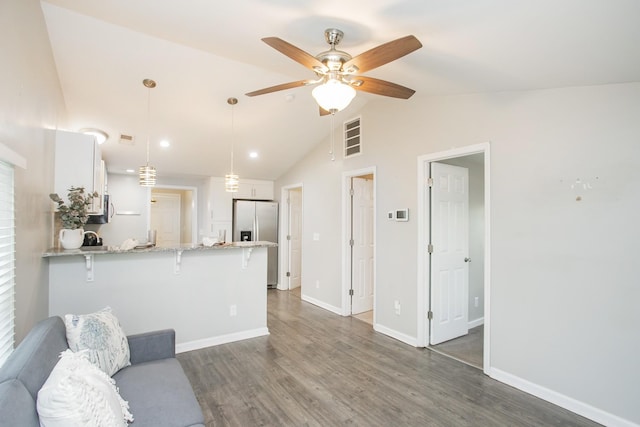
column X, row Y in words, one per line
column 152, row 346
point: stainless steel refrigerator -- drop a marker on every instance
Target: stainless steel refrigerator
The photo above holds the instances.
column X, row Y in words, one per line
column 254, row 221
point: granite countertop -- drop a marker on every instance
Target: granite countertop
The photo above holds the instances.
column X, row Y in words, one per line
column 105, row 250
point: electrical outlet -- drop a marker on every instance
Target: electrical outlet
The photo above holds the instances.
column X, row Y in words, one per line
column 317, row 284
column 233, row 310
column 396, row 306
column 476, row 301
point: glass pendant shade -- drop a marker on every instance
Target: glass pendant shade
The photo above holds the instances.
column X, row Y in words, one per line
column 333, row 95
column 231, row 183
column 147, row 176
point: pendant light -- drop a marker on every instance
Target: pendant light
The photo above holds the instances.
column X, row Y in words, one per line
column 231, row 181
column 147, row 174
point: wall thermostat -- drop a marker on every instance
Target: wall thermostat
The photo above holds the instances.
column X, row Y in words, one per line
column 402, row 215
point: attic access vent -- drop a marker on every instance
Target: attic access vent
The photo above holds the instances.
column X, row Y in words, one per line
column 352, row 140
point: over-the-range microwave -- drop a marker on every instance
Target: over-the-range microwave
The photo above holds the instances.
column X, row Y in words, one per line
column 105, row 216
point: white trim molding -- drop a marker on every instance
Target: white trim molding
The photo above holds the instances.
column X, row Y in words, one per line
column 407, row 339
column 331, row 308
column 222, row 339
column 561, row 400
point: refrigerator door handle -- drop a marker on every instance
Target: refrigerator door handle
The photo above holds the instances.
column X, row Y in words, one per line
column 256, row 226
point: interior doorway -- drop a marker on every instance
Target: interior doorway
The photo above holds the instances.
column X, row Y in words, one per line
column 165, row 218
column 173, row 214
column 359, row 250
column 291, row 234
column 468, row 300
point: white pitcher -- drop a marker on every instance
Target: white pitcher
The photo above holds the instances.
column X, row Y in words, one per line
column 71, row 239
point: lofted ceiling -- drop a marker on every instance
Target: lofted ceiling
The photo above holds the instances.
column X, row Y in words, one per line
column 201, row 52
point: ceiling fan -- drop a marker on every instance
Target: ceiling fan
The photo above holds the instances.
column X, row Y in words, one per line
column 338, row 71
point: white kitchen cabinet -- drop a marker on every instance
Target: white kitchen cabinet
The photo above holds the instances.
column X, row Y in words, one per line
column 220, row 202
column 78, row 163
column 254, row 189
column 220, row 206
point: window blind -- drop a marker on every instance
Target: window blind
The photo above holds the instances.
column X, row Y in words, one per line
column 7, row 261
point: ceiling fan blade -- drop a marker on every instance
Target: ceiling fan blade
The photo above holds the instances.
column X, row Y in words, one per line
column 324, row 112
column 294, row 53
column 382, row 87
column 283, row 86
column 383, row 54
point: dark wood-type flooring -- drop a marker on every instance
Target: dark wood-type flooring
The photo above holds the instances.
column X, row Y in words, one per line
column 320, row 369
column 467, row 348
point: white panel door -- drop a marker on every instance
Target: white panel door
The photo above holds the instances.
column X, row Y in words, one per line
column 165, row 218
column 295, row 237
column 450, row 240
column 362, row 251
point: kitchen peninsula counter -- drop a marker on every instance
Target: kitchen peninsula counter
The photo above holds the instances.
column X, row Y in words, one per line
column 101, row 250
column 209, row 294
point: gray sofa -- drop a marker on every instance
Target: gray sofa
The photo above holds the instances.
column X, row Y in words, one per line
column 158, row 392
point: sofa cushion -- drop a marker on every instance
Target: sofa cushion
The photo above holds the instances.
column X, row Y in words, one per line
column 16, row 405
column 78, row 394
column 32, row 361
column 159, row 394
column 101, row 334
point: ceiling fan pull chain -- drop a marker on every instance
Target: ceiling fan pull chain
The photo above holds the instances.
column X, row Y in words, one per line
column 333, row 137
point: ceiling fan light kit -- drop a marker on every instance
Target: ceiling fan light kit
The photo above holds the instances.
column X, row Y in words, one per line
column 333, row 95
column 336, row 70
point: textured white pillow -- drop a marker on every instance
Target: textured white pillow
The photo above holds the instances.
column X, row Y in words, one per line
column 77, row 393
column 101, row 334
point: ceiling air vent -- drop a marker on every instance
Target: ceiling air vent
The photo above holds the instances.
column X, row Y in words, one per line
column 352, row 138
column 126, row 139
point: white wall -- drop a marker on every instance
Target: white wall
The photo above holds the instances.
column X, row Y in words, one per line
column 128, row 196
column 130, row 211
column 30, row 101
column 563, row 293
column 147, row 294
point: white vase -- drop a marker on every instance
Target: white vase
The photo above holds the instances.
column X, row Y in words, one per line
column 71, row 239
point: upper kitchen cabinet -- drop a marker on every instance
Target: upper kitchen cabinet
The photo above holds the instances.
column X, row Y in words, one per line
column 254, row 189
column 78, row 163
column 220, row 207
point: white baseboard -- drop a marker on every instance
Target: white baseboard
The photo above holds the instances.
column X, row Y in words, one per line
column 221, row 339
column 412, row 341
column 561, row 400
column 336, row 310
column 477, row 322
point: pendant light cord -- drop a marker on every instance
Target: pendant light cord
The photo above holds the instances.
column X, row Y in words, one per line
column 232, row 135
column 148, row 121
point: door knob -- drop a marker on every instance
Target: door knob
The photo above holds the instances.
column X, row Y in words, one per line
column 467, row 259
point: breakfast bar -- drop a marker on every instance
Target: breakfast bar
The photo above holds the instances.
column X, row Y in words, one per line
column 209, row 294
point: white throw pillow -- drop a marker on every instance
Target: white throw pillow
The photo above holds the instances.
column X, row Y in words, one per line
column 101, row 334
column 77, row 393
